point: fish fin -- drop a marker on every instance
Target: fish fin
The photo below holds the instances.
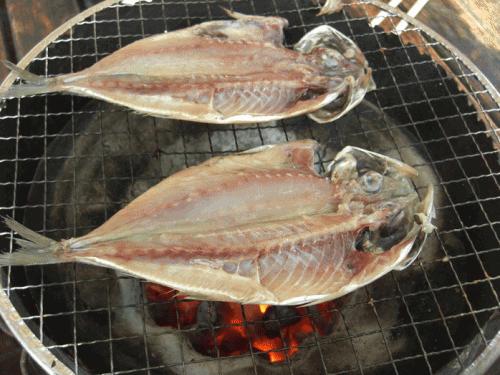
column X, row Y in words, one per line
column 246, row 17
column 429, row 211
column 35, row 248
column 331, row 7
column 232, row 14
column 371, row 85
column 25, row 258
column 258, row 149
column 194, row 297
column 266, row 29
column 321, row 300
column 426, row 215
column 34, row 84
column 24, row 74
column 296, row 154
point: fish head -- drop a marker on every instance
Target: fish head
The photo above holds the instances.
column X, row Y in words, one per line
column 343, row 64
column 380, row 187
column 338, row 54
column 371, row 177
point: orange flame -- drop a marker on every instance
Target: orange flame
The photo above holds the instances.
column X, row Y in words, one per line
column 270, row 337
column 263, row 308
column 277, row 356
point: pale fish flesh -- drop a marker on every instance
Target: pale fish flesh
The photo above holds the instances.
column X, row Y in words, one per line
column 223, row 72
column 258, row 227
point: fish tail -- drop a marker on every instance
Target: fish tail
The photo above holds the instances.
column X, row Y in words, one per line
column 33, row 84
column 35, row 248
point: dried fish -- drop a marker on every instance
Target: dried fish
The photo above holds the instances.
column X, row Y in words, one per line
column 223, row 72
column 331, row 6
column 258, row 227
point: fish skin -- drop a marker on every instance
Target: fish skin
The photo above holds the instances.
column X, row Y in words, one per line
column 258, row 227
column 223, row 72
column 330, row 7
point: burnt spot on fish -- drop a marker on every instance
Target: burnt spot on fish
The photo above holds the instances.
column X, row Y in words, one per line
column 247, row 268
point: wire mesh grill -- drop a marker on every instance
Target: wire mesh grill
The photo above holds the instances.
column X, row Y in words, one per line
column 70, row 163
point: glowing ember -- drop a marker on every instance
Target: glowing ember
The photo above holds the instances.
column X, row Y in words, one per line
column 273, row 330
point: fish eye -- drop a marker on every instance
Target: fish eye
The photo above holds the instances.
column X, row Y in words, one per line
column 372, row 182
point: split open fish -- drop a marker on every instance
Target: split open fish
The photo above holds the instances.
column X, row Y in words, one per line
column 258, row 227
column 234, row 71
column 331, row 6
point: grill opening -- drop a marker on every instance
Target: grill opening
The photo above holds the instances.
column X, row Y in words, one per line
column 270, row 329
column 71, row 162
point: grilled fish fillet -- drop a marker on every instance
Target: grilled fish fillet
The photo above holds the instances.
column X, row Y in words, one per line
column 258, row 227
column 222, row 72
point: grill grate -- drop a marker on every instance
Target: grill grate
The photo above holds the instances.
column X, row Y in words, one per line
column 70, row 163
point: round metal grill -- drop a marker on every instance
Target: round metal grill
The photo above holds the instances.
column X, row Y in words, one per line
column 69, row 163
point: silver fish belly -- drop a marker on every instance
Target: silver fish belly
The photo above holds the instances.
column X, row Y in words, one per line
column 223, row 72
column 258, row 227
